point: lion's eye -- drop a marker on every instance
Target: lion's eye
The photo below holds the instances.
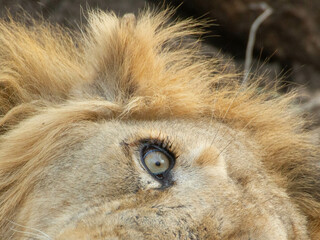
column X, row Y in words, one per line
column 156, row 161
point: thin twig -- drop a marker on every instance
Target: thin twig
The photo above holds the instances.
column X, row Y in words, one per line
column 252, row 37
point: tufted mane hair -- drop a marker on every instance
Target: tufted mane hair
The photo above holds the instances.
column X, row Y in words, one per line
column 136, row 68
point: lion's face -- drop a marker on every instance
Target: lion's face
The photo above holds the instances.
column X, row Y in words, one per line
column 122, row 132
column 208, row 185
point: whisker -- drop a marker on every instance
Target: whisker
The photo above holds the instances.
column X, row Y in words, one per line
column 222, row 135
column 12, row 235
column 235, row 135
column 30, row 228
column 216, row 134
column 31, row 234
column 240, row 90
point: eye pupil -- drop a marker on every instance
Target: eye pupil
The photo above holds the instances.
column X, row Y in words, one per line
column 158, row 164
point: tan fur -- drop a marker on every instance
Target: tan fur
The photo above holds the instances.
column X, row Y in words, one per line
column 75, row 106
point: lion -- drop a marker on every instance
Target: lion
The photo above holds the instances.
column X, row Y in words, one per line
column 125, row 130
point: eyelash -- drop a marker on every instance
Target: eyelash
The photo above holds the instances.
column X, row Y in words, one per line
column 163, row 143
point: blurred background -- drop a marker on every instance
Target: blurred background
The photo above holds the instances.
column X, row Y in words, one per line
column 287, row 43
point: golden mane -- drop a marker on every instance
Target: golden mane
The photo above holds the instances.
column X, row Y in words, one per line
column 139, row 69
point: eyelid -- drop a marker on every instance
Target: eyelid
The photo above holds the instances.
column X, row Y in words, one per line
column 153, row 147
column 163, row 144
column 135, row 139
